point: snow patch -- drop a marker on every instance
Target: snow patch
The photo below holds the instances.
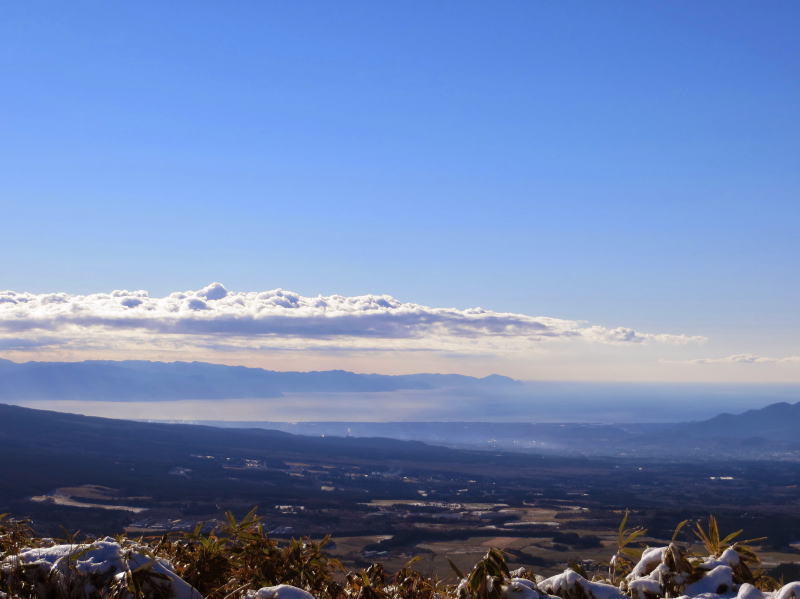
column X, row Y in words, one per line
column 281, row 591
column 789, row 591
column 571, row 585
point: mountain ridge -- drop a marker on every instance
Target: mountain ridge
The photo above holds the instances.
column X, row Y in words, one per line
column 776, row 421
column 763, row 433
column 129, row 380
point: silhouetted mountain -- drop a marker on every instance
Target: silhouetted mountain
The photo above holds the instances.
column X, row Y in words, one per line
column 778, row 422
column 156, row 381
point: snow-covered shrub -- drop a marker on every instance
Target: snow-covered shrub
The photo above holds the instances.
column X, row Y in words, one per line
column 571, row 585
column 730, row 569
column 104, row 568
column 491, row 579
column 661, row 572
column 242, row 562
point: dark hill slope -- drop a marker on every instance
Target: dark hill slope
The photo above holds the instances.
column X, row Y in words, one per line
column 44, row 430
column 52, row 449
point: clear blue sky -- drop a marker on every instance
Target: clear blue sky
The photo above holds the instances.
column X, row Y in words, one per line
column 627, row 163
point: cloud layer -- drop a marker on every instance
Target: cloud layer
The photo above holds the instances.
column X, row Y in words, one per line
column 746, row 359
column 214, row 314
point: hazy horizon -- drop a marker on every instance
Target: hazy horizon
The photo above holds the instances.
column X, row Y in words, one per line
column 202, row 391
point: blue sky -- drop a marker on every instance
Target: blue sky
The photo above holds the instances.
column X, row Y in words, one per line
column 627, row 164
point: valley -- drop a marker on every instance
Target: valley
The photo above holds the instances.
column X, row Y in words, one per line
column 378, row 498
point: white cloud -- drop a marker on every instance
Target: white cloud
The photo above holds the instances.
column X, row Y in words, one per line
column 246, row 319
column 27, row 343
column 744, row 359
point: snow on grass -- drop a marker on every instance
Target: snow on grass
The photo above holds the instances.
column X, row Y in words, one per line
column 86, row 570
